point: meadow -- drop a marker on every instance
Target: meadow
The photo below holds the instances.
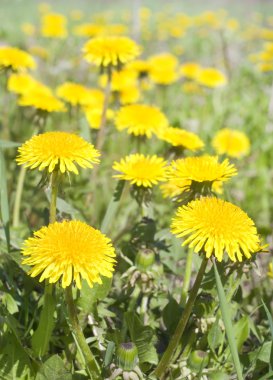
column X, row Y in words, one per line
column 136, row 150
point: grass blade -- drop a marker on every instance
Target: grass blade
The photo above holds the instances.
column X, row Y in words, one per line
column 228, row 324
column 112, row 207
column 270, row 321
column 4, row 198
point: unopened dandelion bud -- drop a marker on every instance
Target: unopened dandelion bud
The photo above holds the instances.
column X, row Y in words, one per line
column 198, row 359
column 127, row 356
column 145, row 259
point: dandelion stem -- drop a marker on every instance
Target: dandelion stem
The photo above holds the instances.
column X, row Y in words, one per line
column 18, row 197
column 54, row 194
column 90, row 361
column 187, row 278
column 175, row 339
column 102, row 132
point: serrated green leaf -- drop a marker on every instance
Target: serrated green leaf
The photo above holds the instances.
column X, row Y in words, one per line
column 41, row 337
column 215, row 336
column 265, row 352
column 143, row 337
column 14, row 362
column 53, row 369
column 9, row 303
column 241, row 331
column 91, row 295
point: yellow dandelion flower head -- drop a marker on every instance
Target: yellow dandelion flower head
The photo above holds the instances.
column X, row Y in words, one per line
column 60, row 150
column 92, row 98
column 163, row 60
column 140, row 66
column 175, row 187
column 92, row 30
column 76, row 14
column 41, row 99
column 28, row 28
column 16, row 59
column 121, row 80
column 94, row 115
column 141, row 170
column 270, row 270
column 190, row 70
column 140, row 119
column 216, row 226
column 163, row 68
column 202, row 169
column 110, row 51
column 191, row 87
column 69, row 251
column 129, row 95
column 73, row 93
column 88, row 30
column 180, row 138
column 39, row 51
column 211, row 77
column 231, row 142
column 265, row 67
column 44, row 7
column 232, row 24
column 54, row 25
column 21, row 83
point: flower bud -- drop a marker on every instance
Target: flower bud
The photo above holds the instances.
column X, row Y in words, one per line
column 145, row 259
column 127, row 356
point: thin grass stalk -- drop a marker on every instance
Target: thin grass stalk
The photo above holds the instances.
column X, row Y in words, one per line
column 92, row 366
column 18, row 197
column 175, row 339
column 187, row 278
column 102, row 131
column 225, row 311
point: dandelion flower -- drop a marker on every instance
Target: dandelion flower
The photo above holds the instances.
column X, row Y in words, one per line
column 180, row 138
column 16, row 59
column 54, row 25
column 163, row 68
column 201, row 169
column 70, row 252
column 141, row 67
column 73, row 93
column 216, row 226
column 270, row 270
column 41, row 100
column 231, row 142
column 211, row 77
column 175, row 187
column 61, row 150
column 110, row 51
column 21, row 83
column 140, row 120
column 190, row 70
column 94, row 115
column 141, row 170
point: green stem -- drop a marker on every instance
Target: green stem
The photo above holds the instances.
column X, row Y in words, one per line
column 18, row 197
column 175, row 339
column 102, row 132
column 90, row 361
column 54, row 194
column 187, row 278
